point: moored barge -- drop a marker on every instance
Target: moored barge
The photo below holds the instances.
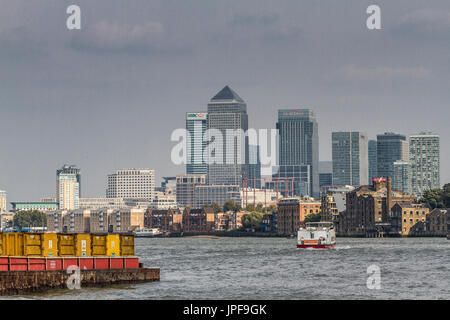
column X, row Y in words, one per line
column 31, row 262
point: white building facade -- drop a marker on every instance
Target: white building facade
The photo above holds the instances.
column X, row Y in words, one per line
column 424, row 158
column 132, row 183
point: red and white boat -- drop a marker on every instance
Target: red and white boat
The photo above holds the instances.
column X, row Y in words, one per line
column 317, row 235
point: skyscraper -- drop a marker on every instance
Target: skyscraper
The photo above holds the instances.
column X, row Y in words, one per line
column 325, row 173
column 254, row 167
column 424, row 157
column 390, row 148
column 196, row 126
column 372, row 160
column 350, row 158
column 401, row 180
column 186, row 184
column 299, row 142
column 227, row 113
column 68, row 187
column 132, row 183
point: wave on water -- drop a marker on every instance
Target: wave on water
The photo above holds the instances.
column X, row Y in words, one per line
column 342, row 247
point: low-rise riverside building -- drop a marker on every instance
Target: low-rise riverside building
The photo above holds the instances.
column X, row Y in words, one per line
column 408, row 218
column 95, row 221
column 293, row 211
column 235, row 220
column 328, row 208
column 229, row 221
column 198, row 220
column 37, row 205
column 167, row 220
column 221, row 221
column 438, row 222
column 268, row 223
column 76, row 221
column 368, row 208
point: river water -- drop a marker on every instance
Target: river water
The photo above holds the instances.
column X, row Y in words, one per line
column 273, row 268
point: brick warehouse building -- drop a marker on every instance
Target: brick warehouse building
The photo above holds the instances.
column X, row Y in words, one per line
column 368, row 208
column 406, row 216
column 292, row 212
column 167, row 220
column 198, row 220
column 438, row 222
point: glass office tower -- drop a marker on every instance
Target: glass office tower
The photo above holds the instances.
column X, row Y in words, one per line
column 372, row 160
column 299, row 143
column 350, row 158
column 391, row 147
column 196, row 127
column 227, row 112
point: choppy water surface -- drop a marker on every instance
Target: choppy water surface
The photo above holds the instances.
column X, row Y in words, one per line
column 273, row 268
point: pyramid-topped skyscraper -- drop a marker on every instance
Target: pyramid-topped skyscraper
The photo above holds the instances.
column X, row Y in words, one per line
column 228, row 111
column 227, row 94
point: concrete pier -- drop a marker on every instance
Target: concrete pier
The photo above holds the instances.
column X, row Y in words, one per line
column 25, row 282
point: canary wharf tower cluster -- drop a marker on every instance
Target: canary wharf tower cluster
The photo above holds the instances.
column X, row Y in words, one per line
column 356, row 159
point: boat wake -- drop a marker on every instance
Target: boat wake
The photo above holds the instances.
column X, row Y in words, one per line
column 342, row 247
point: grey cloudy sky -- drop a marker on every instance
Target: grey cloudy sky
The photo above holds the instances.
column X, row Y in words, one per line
column 108, row 96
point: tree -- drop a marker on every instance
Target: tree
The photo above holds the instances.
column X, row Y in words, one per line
column 446, row 197
column 231, row 206
column 252, row 220
column 216, row 207
column 314, row 217
column 26, row 219
column 435, row 198
column 250, row 208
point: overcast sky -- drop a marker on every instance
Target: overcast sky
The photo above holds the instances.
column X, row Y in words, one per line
column 109, row 95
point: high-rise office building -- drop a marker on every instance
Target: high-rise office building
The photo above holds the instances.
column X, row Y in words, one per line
column 350, row 158
column 196, row 127
column 299, row 180
column 391, row 147
column 68, row 187
column 185, row 190
column 372, row 160
column 299, row 142
column 227, row 113
column 132, row 183
column 424, row 158
column 254, row 167
column 3, row 203
column 401, row 180
column 325, row 173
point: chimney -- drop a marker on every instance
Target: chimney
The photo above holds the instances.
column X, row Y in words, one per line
column 388, row 195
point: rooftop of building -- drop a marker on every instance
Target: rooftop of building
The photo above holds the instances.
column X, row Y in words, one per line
column 299, row 200
column 414, row 205
column 227, row 94
column 441, row 211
